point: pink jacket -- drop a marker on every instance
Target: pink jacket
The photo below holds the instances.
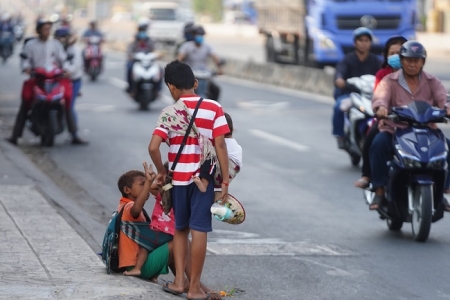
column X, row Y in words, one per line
column 390, row 93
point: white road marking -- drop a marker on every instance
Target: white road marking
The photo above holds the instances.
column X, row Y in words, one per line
column 279, row 140
column 121, row 84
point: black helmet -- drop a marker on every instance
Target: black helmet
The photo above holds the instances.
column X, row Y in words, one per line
column 62, row 32
column 413, row 49
column 396, row 39
column 199, row 30
column 41, row 23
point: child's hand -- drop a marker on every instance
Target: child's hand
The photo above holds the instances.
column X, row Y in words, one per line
column 149, row 174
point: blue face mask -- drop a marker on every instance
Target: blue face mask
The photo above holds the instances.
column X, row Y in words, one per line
column 142, row 35
column 394, row 61
column 199, row 39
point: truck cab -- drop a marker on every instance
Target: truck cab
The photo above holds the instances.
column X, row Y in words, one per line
column 330, row 24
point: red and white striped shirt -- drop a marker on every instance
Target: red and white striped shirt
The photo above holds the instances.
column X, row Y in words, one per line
column 210, row 122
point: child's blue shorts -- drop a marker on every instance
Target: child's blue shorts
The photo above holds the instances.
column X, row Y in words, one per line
column 192, row 207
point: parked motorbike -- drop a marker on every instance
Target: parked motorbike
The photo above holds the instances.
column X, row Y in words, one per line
column 417, row 171
column 93, row 57
column 6, row 45
column 359, row 115
column 47, row 112
column 146, row 75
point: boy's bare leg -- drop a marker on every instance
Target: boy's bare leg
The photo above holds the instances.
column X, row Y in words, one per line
column 202, row 183
column 180, row 252
column 141, row 258
column 198, row 254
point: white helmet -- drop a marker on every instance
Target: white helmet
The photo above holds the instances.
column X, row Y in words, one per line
column 143, row 24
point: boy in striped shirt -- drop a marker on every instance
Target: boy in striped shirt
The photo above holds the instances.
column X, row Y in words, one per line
column 191, row 206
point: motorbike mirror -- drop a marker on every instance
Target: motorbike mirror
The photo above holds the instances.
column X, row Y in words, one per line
column 70, row 57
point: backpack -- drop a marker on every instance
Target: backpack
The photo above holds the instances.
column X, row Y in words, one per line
column 110, row 245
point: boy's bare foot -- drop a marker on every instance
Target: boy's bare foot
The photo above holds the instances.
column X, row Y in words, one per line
column 362, row 182
column 133, row 272
column 154, row 279
column 199, row 183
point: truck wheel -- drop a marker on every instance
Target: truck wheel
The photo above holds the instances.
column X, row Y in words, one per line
column 270, row 50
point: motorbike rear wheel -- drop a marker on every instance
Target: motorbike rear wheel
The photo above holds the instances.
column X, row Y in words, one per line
column 355, row 159
column 423, row 212
column 144, row 99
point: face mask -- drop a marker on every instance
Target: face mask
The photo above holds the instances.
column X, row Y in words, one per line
column 394, row 61
column 142, row 35
column 199, row 39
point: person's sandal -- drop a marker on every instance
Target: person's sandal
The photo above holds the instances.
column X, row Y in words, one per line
column 376, row 203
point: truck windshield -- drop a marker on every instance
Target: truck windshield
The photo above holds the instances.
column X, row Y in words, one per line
column 162, row 14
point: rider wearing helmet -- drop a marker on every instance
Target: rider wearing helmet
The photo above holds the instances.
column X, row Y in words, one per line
column 196, row 53
column 75, row 69
column 92, row 31
column 142, row 43
column 390, row 64
column 7, row 26
column 355, row 64
column 395, row 90
column 39, row 52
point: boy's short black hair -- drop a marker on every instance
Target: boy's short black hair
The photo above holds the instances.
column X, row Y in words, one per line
column 229, row 122
column 127, row 179
column 180, row 75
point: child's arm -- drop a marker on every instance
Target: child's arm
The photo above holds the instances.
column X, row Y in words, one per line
column 155, row 154
column 154, row 189
column 138, row 204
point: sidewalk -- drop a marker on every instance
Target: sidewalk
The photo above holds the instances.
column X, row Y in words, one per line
column 43, row 257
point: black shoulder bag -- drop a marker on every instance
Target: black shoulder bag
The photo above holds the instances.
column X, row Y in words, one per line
column 166, row 196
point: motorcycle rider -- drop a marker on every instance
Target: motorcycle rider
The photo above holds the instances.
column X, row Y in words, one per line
column 196, row 53
column 92, row 31
column 410, row 83
column 6, row 25
column 40, row 52
column 75, row 69
column 390, row 65
column 354, row 64
column 141, row 43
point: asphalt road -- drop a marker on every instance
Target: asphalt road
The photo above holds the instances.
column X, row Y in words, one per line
column 308, row 233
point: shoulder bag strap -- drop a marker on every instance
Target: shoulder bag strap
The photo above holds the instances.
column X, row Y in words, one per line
column 188, row 130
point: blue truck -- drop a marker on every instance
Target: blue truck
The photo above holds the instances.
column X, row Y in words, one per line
column 318, row 33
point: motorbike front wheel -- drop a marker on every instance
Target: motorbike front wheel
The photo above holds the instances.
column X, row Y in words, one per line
column 48, row 136
column 423, row 212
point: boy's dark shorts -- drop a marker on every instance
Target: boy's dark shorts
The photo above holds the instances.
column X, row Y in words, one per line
column 207, row 170
column 192, row 207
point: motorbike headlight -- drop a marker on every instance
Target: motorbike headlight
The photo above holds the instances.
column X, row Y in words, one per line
column 438, row 162
column 409, row 160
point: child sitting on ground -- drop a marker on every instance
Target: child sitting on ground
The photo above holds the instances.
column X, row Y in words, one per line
column 207, row 171
column 155, row 190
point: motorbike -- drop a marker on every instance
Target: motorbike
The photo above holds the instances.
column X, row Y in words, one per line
column 417, row 172
column 93, row 57
column 47, row 112
column 146, row 76
column 19, row 31
column 359, row 115
column 207, row 88
column 6, row 45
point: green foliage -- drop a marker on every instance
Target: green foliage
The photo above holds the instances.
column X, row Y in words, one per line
column 212, row 8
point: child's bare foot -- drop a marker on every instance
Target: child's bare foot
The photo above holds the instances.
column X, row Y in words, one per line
column 132, row 272
column 154, row 279
column 199, row 183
